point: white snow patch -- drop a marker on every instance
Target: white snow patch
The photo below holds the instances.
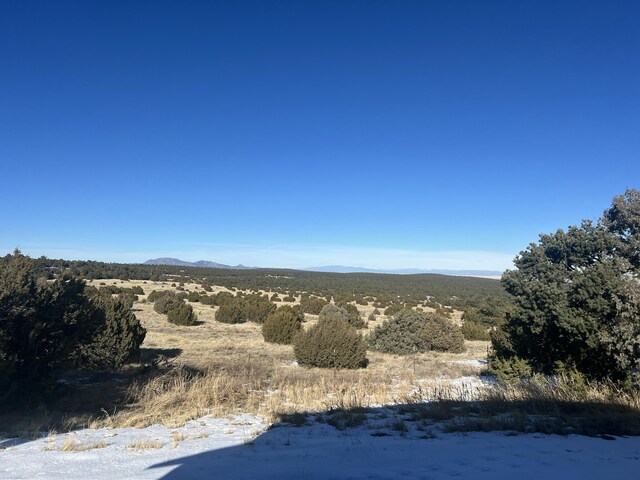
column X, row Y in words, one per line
column 242, row 448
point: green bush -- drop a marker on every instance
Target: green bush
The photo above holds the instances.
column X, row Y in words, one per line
column 416, row 332
column 282, row 325
column 442, row 335
column 231, row 312
column 508, row 370
column 157, row 294
column 331, row 343
column 475, row 331
column 46, row 326
column 353, row 316
column 167, row 302
column 193, row 297
column 393, row 309
column 577, row 298
column 183, row 314
column 345, row 312
column 117, row 341
column 312, row 305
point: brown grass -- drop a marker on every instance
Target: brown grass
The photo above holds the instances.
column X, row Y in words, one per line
column 145, row 444
column 219, row 369
column 73, row 445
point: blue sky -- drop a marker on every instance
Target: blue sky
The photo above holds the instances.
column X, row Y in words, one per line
column 430, row 134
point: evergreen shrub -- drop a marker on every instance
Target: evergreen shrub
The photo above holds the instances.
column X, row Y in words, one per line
column 282, row 325
column 331, row 343
column 183, row 314
column 415, row 332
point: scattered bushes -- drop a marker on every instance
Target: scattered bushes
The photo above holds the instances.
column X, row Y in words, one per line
column 251, row 308
column 173, row 305
column 415, row 332
column 282, row 325
column 331, row 343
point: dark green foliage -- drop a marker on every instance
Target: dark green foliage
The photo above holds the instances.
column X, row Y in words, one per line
column 475, row 331
column 167, row 302
column 117, row 341
column 282, row 325
column 442, row 335
column 231, row 312
column 331, row 343
column 414, row 332
column 509, row 369
column 258, row 308
column 312, row 305
column 208, row 299
column 353, row 315
column 577, row 298
column 156, row 294
column 623, row 221
column 289, row 299
column 183, row 314
column 193, row 297
column 44, row 326
column 223, row 297
column 393, row 309
column 376, row 312
column 250, row 308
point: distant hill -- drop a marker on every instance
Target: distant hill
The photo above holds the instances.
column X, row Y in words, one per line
column 175, row 262
column 405, row 271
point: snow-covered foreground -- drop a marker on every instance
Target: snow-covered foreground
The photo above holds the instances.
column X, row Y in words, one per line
column 243, row 448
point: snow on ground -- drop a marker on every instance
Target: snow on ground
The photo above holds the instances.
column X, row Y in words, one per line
column 243, row 448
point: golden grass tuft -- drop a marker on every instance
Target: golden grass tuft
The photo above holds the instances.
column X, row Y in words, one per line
column 145, row 444
column 73, row 445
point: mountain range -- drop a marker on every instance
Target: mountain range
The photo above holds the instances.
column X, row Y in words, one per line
column 331, row 268
column 200, row 263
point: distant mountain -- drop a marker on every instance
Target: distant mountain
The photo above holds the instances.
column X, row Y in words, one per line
column 200, row 263
column 405, row 271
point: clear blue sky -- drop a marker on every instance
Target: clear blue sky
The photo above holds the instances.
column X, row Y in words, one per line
column 430, row 134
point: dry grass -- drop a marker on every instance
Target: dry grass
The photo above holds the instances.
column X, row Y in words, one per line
column 145, row 444
column 73, row 445
column 220, row 369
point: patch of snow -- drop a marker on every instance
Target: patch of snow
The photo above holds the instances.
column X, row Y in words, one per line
column 242, row 447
